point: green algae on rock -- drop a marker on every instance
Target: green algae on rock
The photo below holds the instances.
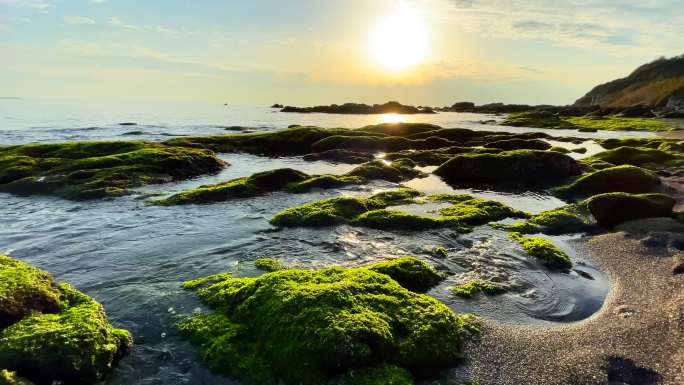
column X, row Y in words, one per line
column 569, row 219
column 541, row 248
column 614, row 208
column 475, row 212
column 396, row 171
column 341, row 156
column 474, row 286
column 562, row 150
column 377, row 375
column 383, row 219
column 520, row 166
column 438, row 156
column 316, row 326
column 88, row 170
column 519, row 144
column 649, row 158
column 333, row 211
column 72, row 343
column 624, row 178
column 11, row 378
column 544, row 119
column 268, row 264
column 410, row 272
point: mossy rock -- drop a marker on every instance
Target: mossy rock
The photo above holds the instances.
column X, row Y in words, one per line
column 400, row 129
column 72, row 344
column 544, row 250
column 475, row 286
column 396, row 171
column 380, row 375
column 625, row 178
column 614, row 208
column 322, row 327
column 561, row 150
column 541, row 119
column 635, row 156
column 292, row 141
column 11, row 378
column 475, row 212
column 435, row 157
column 334, row 211
column 384, row 219
column 410, row 272
column 362, row 143
column 519, row 144
column 268, row 264
column 341, row 156
column 25, row 289
column 520, row 166
column 569, row 219
column 324, row 182
column 90, row 170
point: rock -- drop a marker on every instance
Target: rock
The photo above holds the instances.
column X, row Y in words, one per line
column 525, row 166
column 519, row 144
column 361, row 109
column 628, row 179
column 648, row 225
column 614, row 208
column 341, row 156
column 462, row 107
column 586, row 129
column 358, row 319
column 678, row 268
column 52, row 333
column 128, row 124
column 561, row 150
column 277, row 105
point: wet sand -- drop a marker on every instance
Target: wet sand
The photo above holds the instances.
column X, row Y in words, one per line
column 636, row 338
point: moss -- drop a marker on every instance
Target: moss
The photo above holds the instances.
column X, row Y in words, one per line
column 614, row 208
column 586, row 123
column 268, row 264
column 579, row 150
column 440, row 251
column 562, row 150
column 448, row 198
column 325, row 212
column 11, row 378
column 476, row 212
column 316, row 326
column 537, row 119
column 519, row 144
column 520, row 166
column 400, row 129
column 89, row 170
column 362, row 143
column 324, row 182
column 394, row 197
column 292, row 141
column 74, row 344
column 410, row 272
column 550, row 255
column 24, row 289
column 613, row 143
column 384, row 219
column 614, row 179
column 636, row 156
column 341, row 156
column 616, row 123
column 474, row 286
column 396, row 171
column 569, row 219
column 436, row 157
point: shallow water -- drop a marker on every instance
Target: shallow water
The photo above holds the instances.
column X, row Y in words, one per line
column 132, row 256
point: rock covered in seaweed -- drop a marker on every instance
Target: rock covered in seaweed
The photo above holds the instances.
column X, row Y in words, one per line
column 544, row 250
column 62, row 335
column 520, row 166
column 87, row 170
column 324, row 327
column 613, row 208
column 625, row 178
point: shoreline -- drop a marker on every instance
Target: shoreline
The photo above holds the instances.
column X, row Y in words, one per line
column 637, row 337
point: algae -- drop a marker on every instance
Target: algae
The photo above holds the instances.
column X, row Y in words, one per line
column 544, row 250
column 474, row 286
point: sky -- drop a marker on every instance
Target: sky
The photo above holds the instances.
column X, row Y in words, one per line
column 310, row 52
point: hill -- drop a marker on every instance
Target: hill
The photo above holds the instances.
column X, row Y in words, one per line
column 659, row 84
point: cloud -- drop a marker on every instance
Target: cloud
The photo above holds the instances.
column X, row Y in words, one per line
column 79, row 20
column 37, row 4
column 116, row 22
column 620, row 26
column 98, row 1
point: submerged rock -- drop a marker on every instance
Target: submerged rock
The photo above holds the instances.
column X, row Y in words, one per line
column 613, row 208
column 341, row 156
column 52, row 333
column 329, row 326
column 569, row 219
column 636, row 156
column 626, row 178
column 88, row 170
column 541, row 248
column 474, row 286
column 523, row 166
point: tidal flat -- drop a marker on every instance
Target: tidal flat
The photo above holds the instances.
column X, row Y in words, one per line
column 493, row 222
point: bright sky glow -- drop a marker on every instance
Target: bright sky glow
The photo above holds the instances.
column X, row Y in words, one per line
column 400, row 40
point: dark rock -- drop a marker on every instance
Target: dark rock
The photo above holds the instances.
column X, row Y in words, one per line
column 519, row 144
column 128, row 124
column 277, row 105
column 678, row 268
column 361, row 109
column 614, row 208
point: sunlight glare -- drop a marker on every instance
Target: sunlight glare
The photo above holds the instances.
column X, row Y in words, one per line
column 392, row 118
column 400, row 40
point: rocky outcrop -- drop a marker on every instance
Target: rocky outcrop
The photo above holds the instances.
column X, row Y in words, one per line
column 362, row 109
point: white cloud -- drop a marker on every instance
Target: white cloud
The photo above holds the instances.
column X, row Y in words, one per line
column 37, row 4
column 116, row 22
column 98, row 1
column 79, row 20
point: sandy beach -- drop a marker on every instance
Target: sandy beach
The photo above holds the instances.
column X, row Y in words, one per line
column 636, row 338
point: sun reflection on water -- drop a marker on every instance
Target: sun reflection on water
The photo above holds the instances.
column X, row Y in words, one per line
column 392, row 118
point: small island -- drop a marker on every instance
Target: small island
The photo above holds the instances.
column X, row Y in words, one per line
column 362, row 109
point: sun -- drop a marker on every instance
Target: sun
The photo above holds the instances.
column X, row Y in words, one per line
column 400, row 40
